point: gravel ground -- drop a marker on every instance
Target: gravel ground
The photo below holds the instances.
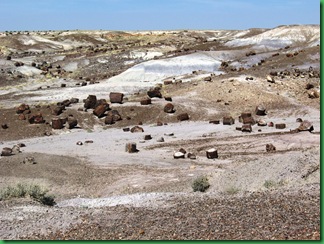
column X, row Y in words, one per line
column 270, row 215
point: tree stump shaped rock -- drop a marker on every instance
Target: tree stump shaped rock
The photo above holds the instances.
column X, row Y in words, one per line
column 146, row 101
column 57, row 123
column 260, row 110
column 212, row 153
column 116, row 97
column 280, row 126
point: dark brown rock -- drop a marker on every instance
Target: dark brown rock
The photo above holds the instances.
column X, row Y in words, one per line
column 169, row 99
column 71, row 122
column 183, row 116
column 246, row 128
column 23, row 107
column 260, row 110
column 155, row 93
column 4, row 126
column 57, row 110
column 147, row 137
column 270, row 148
column 36, row 119
column 216, row 122
column 90, row 102
column 228, row 120
column 212, row 153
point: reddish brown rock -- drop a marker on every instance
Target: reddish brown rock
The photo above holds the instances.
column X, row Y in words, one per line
column 116, row 97
column 169, row 108
column 100, row 110
column 57, row 123
column 146, row 101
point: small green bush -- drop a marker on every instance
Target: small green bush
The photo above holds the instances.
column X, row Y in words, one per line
column 269, row 184
column 232, row 190
column 200, row 184
column 21, row 191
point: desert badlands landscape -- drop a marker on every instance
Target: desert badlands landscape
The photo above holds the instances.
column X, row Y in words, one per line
column 149, row 135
